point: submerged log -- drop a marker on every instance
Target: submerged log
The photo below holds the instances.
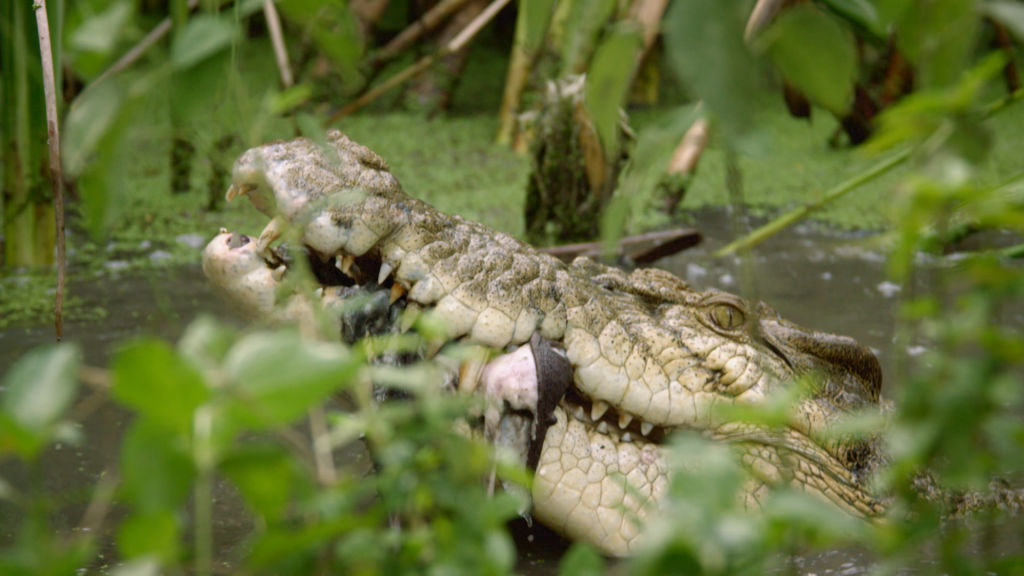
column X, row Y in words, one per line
column 638, row 249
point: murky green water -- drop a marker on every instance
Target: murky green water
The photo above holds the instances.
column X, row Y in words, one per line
column 822, row 281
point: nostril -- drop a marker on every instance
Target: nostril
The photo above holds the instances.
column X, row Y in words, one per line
column 237, row 240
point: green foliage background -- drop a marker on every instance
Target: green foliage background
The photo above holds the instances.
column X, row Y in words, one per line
column 221, row 404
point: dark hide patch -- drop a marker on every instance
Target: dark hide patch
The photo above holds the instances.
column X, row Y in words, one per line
column 554, row 377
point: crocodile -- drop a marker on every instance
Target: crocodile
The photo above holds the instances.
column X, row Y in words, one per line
column 606, row 363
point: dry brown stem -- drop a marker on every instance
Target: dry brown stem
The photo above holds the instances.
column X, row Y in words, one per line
column 56, row 178
column 455, row 45
column 277, row 40
column 687, row 154
column 430, row 20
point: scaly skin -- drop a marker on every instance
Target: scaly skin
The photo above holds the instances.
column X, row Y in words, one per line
column 648, row 354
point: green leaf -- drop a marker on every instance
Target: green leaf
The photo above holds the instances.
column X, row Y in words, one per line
column 203, row 36
column 334, row 31
column 154, row 534
column 89, row 120
column 608, row 83
column 938, row 37
column 276, row 377
column 819, row 522
column 312, row 128
column 290, row 99
column 587, row 18
column 581, row 560
column 266, row 476
column 156, row 471
column 815, row 54
column 151, row 379
column 205, row 343
column 704, row 45
column 533, row 21
column 37, row 390
column 1009, row 14
column 101, row 32
column 860, row 12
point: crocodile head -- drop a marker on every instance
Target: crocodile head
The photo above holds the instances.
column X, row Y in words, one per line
column 641, row 354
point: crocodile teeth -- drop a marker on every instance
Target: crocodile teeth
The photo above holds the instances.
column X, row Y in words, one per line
column 278, row 272
column 409, row 315
column 236, row 190
column 602, row 427
column 627, row 437
column 344, row 263
column 470, row 374
column 385, row 271
column 578, row 414
column 598, row 409
column 396, row 292
column 646, row 427
column 624, row 420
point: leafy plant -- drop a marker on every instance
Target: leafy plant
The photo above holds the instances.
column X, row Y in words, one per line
column 224, row 406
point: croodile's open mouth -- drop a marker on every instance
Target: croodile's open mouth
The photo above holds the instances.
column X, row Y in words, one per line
column 593, row 366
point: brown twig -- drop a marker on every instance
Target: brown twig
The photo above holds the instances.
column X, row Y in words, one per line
column 136, row 52
column 430, row 20
column 639, row 248
column 455, row 45
column 56, row 178
column 648, row 14
column 277, row 40
column 1004, row 42
column 760, row 16
column 683, row 164
column 325, row 472
column 99, row 505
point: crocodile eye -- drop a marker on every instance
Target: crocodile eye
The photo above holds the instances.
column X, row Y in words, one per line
column 727, row 316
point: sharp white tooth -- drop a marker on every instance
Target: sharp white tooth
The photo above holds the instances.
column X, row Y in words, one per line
column 627, row 437
column 396, row 292
column 409, row 316
column 602, row 427
column 278, row 273
column 646, row 427
column 344, row 263
column 469, row 375
column 385, row 272
column 598, row 409
column 578, row 414
column 236, row 190
column 624, row 420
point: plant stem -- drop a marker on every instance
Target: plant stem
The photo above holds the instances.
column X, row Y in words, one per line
column 793, row 216
column 136, row 52
column 203, row 457
column 325, row 473
column 277, row 39
column 520, row 63
column 56, row 178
